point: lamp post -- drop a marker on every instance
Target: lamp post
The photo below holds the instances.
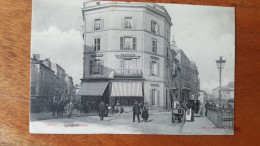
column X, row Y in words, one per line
column 220, row 65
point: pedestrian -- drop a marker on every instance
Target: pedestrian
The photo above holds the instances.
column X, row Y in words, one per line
column 79, row 108
column 70, row 109
column 53, row 108
column 207, row 105
column 101, row 108
column 141, row 106
column 145, row 114
column 106, row 110
column 136, row 111
column 113, row 108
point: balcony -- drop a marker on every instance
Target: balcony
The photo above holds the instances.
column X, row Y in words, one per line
column 128, row 73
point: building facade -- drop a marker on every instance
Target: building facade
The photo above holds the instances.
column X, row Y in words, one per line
column 126, row 53
column 227, row 93
column 48, row 84
column 188, row 83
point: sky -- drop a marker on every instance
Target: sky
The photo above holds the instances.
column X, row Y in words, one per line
column 204, row 33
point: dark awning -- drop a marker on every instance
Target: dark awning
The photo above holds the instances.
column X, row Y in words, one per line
column 127, row 89
column 92, row 89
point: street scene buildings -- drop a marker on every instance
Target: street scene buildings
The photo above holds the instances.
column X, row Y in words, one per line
column 49, row 83
column 131, row 68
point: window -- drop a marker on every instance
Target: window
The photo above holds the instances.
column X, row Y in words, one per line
column 97, row 24
column 129, row 64
column 127, row 43
column 95, row 67
column 153, row 26
column 154, row 68
column 128, row 23
column 97, row 44
column 153, row 96
column 154, row 46
column 167, row 34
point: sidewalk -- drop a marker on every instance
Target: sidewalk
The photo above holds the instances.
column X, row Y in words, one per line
column 203, row 126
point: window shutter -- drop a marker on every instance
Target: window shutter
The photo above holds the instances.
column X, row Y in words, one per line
column 121, row 43
column 99, row 44
column 158, row 29
column 158, row 97
column 158, row 69
column 95, row 44
column 90, row 67
column 151, row 97
column 102, row 24
column 151, row 68
column 134, row 43
column 102, row 67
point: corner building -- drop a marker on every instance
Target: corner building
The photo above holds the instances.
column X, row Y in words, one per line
column 126, row 45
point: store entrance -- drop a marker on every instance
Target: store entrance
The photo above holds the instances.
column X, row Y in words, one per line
column 128, row 101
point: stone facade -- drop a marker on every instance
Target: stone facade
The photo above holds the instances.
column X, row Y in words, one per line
column 123, row 39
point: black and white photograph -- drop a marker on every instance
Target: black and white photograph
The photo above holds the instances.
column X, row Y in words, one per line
column 114, row 67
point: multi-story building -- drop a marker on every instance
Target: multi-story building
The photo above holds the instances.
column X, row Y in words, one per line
column 227, row 93
column 188, row 78
column 49, row 83
column 126, row 53
column 43, row 83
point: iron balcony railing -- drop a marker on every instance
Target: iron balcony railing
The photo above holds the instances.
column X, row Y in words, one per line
column 128, row 73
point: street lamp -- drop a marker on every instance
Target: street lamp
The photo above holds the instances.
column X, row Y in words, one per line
column 220, row 65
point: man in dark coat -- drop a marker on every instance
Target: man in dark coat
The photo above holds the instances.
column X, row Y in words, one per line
column 101, row 108
column 207, row 105
column 53, row 108
column 136, row 111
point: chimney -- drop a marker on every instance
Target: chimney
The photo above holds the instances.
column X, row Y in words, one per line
column 36, row 57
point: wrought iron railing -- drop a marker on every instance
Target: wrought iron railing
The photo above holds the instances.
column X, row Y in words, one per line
column 134, row 73
column 222, row 118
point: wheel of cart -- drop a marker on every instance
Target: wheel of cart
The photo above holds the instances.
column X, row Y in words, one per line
column 177, row 115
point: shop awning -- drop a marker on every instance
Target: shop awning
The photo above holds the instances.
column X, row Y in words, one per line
column 127, row 89
column 92, row 89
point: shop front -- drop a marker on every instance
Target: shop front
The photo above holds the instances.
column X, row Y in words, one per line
column 92, row 93
column 126, row 93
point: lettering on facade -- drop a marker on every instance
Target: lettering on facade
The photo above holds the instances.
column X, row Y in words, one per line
column 155, row 85
column 155, row 58
column 127, row 56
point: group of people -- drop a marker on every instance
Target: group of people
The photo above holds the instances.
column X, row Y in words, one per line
column 138, row 109
column 59, row 107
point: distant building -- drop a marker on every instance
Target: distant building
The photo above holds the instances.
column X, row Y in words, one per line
column 188, row 78
column 227, row 92
column 43, row 83
column 203, row 97
column 49, row 82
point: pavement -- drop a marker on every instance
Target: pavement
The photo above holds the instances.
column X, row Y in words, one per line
column 203, row 126
column 159, row 122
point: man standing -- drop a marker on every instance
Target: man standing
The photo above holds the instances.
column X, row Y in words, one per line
column 70, row 109
column 136, row 111
column 101, row 108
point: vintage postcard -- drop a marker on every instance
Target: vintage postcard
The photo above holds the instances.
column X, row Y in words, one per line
column 107, row 67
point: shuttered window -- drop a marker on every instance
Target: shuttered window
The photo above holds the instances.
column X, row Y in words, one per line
column 97, row 44
column 128, row 43
column 96, row 67
column 154, row 46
